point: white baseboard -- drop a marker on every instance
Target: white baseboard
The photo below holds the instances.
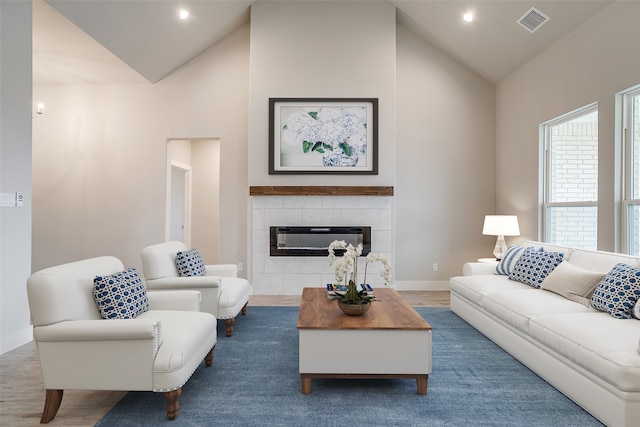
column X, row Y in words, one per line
column 422, row 285
column 16, row 339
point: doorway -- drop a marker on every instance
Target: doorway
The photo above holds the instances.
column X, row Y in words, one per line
column 193, row 181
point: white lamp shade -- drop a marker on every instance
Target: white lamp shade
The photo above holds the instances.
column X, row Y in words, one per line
column 501, row 225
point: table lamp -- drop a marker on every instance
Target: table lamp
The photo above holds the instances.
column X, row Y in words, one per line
column 500, row 225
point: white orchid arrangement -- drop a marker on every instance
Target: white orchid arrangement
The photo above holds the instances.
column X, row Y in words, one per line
column 327, row 129
column 346, row 270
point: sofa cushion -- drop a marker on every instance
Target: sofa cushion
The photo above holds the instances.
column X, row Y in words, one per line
column 509, row 259
column 600, row 261
column 594, row 341
column 189, row 263
column 473, row 288
column 618, row 292
column 183, row 335
column 534, row 266
column 574, row 283
column 121, row 295
column 636, row 309
column 516, row 307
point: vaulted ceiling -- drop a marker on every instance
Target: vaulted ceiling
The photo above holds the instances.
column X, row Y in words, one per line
column 132, row 41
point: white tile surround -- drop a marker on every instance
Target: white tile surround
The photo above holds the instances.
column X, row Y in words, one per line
column 288, row 275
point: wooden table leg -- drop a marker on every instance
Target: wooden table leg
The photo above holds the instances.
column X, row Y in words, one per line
column 422, row 385
column 306, row 383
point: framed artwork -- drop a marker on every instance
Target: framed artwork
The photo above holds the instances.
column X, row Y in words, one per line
column 323, row 136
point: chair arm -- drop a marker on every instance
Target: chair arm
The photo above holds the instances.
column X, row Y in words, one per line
column 101, row 354
column 175, row 300
column 222, row 270
column 175, row 283
column 99, row 330
column 479, row 268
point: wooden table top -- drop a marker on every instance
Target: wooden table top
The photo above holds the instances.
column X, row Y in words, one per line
column 389, row 311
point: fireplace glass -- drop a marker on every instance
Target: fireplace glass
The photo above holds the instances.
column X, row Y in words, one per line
column 315, row 240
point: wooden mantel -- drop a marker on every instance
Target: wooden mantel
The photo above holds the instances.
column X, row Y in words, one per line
column 320, row 191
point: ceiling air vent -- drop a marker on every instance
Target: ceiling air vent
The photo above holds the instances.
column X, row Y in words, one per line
column 533, row 19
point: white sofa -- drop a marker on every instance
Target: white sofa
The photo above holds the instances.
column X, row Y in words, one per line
column 587, row 354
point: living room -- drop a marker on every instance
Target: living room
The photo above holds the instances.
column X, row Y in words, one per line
column 454, row 145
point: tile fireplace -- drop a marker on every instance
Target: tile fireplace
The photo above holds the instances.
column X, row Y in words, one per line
column 287, row 275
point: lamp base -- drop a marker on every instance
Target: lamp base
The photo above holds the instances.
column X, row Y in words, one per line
column 500, row 248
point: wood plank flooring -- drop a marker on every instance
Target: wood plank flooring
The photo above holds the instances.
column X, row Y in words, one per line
column 22, row 389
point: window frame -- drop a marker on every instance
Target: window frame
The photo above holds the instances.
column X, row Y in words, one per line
column 545, row 170
column 627, row 200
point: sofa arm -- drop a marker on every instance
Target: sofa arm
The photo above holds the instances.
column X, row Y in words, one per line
column 177, row 283
column 479, row 268
column 99, row 330
column 175, row 300
column 222, row 270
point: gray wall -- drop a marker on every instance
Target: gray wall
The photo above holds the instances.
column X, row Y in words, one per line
column 15, row 171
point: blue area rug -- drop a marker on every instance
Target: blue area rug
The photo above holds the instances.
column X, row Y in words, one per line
column 254, row 381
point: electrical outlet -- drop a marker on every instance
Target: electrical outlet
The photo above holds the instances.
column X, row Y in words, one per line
column 240, row 266
column 435, row 266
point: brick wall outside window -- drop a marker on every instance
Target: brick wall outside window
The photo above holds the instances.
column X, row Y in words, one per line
column 574, row 178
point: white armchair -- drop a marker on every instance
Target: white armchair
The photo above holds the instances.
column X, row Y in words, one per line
column 223, row 293
column 156, row 351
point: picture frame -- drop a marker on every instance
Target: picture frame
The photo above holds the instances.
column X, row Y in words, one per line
column 323, row 136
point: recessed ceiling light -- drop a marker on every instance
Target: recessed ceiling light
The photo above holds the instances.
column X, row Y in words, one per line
column 468, row 16
column 184, row 14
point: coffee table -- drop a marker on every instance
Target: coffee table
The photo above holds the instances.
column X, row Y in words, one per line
column 390, row 341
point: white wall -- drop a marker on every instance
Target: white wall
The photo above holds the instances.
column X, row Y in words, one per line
column 592, row 64
column 99, row 157
column 322, row 50
column 446, row 163
column 15, row 171
column 206, row 206
column 101, row 147
column 302, row 49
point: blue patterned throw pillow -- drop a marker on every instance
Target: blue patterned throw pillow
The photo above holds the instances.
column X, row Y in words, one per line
column 618, row 292
column 189, row 263
column 121, row 295
column 509, row 260
column 534, row 266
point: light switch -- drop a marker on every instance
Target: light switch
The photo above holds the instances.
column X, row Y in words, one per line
column 8, row 200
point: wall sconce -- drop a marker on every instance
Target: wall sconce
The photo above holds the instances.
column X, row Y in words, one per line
column 40, row 108
column 500, row 225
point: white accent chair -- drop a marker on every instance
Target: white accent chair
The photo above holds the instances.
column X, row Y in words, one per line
column 156, row 351
column 223, row 293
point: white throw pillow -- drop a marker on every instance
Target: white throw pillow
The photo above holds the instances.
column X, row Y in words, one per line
column 636, row 310
column 573, row 283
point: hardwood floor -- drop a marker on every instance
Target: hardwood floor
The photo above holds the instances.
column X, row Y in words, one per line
column 22, row 389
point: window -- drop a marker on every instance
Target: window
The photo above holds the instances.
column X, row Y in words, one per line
column 570, row 175
column 631, row 156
